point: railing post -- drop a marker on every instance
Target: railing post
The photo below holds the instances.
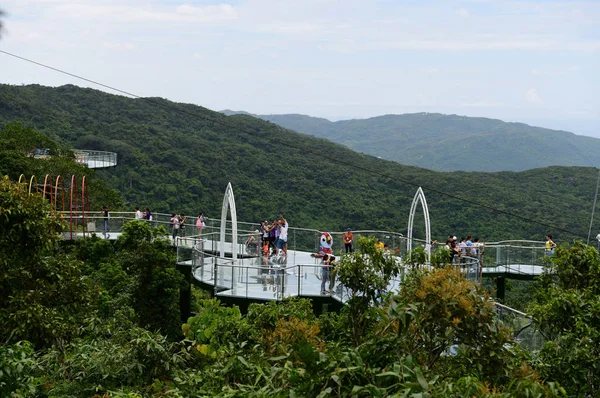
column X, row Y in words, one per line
column 282, row 276
column 215, row 273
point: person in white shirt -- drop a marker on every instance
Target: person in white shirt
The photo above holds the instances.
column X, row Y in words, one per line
column 283, row 235
column 138, row 213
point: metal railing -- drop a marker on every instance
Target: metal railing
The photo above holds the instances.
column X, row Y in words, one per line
column 519, row 257
column 505, row 257
column 521, row 325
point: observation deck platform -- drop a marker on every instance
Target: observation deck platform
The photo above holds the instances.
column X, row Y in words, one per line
column 252, row 278
column 523, row 260
column 96, row 159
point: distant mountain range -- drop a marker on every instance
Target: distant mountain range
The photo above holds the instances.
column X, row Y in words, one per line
column 449, row 142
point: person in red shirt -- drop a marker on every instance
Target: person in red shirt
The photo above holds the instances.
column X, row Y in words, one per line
column 348, row 240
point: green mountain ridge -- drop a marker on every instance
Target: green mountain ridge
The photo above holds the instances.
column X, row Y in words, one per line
column 180, row 157
column 450, row 142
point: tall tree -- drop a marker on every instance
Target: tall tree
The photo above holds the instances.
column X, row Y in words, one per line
column 43, row 296
column 566, row 309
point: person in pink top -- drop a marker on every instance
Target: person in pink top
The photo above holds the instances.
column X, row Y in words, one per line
column 200, row 224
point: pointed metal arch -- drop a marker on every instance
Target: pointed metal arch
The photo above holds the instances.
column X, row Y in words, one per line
column 72, row 204
column 45, row 190
column 31, row 180
column 229, row 204
column 419, row 197
column 59, row 180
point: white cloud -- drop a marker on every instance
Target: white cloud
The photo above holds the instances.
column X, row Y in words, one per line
column 463, row 12
column 481, row 104
column 117, row 11
column 532, row 96
column 221, row 12
column 119, row 46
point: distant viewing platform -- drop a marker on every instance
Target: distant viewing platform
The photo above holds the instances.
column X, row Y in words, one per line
column 96, row 159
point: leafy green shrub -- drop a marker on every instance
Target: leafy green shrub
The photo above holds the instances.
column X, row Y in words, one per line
column 266, row 316
column 18, row 367
column 107, row 359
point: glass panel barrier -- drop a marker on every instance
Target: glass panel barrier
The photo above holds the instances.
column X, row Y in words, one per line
column 521, row 324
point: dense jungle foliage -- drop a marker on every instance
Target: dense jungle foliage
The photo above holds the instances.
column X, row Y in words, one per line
column 100, row 318
column 452, row 142
column 180, row 157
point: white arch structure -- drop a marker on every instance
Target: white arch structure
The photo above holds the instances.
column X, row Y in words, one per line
column 229, row 204
column 419, row 197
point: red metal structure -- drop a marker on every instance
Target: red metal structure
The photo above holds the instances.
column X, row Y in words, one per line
column 79, row 202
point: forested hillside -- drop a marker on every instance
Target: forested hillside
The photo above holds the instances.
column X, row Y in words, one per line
column 451, row 142
column 180, row 157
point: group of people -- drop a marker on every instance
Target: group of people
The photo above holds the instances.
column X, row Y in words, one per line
column 274, row 236
column 142, row 215
column 328, row 272
column 465, row 247
column 177, row 224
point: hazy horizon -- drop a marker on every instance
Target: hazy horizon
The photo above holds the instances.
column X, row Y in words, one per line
column 529, row 61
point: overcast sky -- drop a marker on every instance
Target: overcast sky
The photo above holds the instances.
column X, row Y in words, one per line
column 532, row 61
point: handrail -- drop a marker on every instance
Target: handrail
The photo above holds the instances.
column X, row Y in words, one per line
column 504, row 307
column 504, row 254
column 503, row 242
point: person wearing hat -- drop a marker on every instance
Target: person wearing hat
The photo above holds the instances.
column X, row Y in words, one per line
column 348, row 240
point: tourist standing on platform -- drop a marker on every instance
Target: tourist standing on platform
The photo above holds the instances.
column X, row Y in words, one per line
column 333, row 270
column 138, row 213
column 348, row 240
column 450, row 251
column 182, row 221
column 325, row 272
column 380, row 245
column 200, row 224
column 463, row 247
column 476, row 249
column 550, row 245
column 174, row 224
column 106, row 215
column 264, row 229
column 273, row 235
column 283, row 235
column 147, row 215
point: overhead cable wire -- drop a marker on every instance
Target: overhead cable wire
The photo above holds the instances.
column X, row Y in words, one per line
column 288, row 145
